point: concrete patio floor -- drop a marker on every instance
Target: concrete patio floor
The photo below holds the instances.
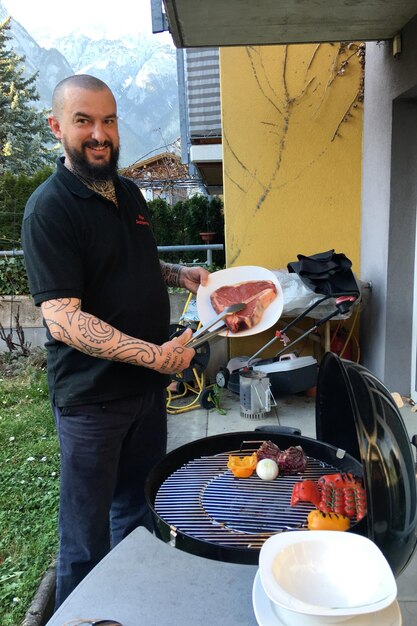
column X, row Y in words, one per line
column 297, row 411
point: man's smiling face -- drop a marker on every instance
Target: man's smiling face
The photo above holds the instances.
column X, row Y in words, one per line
column 87, row 127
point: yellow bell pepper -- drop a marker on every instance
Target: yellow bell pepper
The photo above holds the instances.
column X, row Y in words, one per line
column 316, row 520
column 242, row 467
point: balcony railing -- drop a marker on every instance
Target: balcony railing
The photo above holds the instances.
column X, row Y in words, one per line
column 207, row 247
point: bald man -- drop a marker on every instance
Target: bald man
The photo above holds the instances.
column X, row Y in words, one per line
column 94, row 270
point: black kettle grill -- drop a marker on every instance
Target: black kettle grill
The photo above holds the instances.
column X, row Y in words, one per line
column 199, row 507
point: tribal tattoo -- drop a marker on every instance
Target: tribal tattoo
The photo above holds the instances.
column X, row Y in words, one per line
column 94, row 330
column 87, row 333
column 104, row 188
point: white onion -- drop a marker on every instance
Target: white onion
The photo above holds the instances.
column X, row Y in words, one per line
column 267, row 469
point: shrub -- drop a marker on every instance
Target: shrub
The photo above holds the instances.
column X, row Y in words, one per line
column 13, row 277
column 182, row 224
column 14, row 193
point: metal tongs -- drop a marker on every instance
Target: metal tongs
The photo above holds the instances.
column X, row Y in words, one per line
column 204, row 333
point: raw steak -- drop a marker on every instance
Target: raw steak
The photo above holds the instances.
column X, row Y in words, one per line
column 257, row 294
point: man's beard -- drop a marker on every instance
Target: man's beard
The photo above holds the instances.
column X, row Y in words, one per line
column 80, row 165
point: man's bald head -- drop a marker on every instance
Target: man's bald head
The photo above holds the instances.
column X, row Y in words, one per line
column 84, row 120
column 79, row 81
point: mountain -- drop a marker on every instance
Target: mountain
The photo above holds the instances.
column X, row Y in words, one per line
column 140, row 70
column 51, row 64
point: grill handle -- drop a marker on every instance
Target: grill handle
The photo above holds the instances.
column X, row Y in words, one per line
column 282, row 430
column 414, row 442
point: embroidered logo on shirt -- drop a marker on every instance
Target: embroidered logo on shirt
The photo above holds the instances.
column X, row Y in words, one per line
column 141, row 219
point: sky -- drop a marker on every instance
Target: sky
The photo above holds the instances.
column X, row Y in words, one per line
column 111, row 18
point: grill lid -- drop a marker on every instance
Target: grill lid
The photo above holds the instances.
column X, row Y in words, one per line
column 354, row 410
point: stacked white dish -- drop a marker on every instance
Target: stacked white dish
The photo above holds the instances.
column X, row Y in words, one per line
column 313, row 578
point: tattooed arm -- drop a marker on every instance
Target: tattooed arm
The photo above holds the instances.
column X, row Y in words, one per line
column 182, row 276
column 85, row 332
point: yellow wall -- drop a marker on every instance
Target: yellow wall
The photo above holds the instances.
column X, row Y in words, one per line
column 292, row 134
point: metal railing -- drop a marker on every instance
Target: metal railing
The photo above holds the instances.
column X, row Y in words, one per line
column 207, row 247
column 11, row 252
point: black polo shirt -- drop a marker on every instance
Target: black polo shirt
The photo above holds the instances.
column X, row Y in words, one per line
column 77, row 244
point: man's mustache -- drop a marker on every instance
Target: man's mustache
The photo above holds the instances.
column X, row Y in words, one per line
column 93, row 143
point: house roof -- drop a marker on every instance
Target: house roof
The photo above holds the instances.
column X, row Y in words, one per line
column 163, row 167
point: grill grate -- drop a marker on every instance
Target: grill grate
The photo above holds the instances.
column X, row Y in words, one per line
column 202, row 499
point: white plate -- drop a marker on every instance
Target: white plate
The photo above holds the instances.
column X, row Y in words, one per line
column 269, row 614
column 301, row 572
column 231, row 276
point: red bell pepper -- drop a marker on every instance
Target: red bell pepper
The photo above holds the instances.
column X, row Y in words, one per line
column 306, row 491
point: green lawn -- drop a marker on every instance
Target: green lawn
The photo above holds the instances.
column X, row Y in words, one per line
column 29, row 486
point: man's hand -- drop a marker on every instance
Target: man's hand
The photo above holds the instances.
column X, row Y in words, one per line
column 192, row 277
column 182, row 276
column 175, row 356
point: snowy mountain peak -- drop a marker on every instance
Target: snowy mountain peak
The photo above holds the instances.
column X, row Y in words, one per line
column 139, row 68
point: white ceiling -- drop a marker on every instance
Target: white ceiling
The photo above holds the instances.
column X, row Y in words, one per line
column 196, row 23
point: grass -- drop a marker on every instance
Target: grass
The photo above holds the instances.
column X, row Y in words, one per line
column 29, row 486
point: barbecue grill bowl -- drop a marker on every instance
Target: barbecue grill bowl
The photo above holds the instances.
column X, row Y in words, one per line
column 329, row 576
column 186, row 524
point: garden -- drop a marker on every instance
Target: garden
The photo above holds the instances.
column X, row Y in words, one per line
column 29, row 482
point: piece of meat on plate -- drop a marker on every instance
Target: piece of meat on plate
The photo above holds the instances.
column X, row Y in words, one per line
column 257, row 295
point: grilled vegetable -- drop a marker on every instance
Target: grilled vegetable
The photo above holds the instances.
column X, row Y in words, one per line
column 355, row 501
column 317, row 520
column 340, row 479
column 242, row 467
column 267, row 469
column 332, row 499
column 306, row 491
column 342, row 494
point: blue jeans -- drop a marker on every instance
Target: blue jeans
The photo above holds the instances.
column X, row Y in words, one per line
column 107, row 451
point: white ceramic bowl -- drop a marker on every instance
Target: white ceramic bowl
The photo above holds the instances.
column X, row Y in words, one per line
column 328, row 575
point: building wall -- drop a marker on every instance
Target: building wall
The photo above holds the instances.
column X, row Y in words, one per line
column 292, row 139
column 389, row 208
column 203, row 92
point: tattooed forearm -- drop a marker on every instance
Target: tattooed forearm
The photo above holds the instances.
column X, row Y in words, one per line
column 85, row 332
column 171, row 274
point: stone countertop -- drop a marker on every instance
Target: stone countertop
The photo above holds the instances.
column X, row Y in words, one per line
column 146, row 581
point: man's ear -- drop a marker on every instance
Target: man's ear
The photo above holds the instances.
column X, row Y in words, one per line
column 54, row 126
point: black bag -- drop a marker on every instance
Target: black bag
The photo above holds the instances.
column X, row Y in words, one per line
column 326, row 273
